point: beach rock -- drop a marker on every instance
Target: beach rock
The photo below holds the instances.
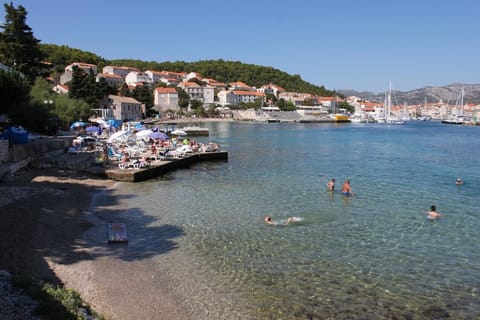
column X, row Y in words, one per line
column 433, row 312
column 14, row 304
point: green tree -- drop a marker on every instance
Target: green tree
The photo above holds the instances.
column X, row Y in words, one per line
column 75, row 86
column 144, row 94
column 124, row 91
column 69, row 110
column 14, row 92
column 346, row 106
column 85, row 87
column 308, row 102
column 196, row 104
column 284, row 105
column 18, row 47
column 183, row 98
column 58, row 109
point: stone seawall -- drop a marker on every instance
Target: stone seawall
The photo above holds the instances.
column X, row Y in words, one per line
column 18, row 156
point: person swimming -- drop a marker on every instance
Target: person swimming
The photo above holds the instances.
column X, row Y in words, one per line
column 459, row 182
column 268, row 220
column 433, row 214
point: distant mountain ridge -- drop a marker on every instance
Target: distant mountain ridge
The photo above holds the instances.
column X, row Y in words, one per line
column 448, row 94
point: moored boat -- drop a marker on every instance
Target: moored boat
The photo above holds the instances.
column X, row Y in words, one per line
column 196, row 131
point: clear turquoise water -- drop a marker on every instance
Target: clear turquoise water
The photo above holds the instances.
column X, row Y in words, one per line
column 375, row 254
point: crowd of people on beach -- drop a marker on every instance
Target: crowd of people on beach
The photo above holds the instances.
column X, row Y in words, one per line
column 142, row 153
column 137, row 148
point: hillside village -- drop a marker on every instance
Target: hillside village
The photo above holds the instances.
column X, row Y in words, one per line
column 227, row 97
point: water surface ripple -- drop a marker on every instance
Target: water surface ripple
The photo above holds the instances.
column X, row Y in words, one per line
column 372, row 256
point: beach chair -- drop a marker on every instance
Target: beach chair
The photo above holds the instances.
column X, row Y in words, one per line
column 113, row 155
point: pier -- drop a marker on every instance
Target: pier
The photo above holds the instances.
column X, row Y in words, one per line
column 158, row 168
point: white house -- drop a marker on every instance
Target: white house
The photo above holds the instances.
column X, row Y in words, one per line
column 205, row 94
column 120, row 71
column 193, row 75
column 169, row 81
column 155, row 76
column 125, row 108
column 85, row 67
column 296, row 98
column 235, row 97
column 134, row 78
column 164, row 99
column 271, row 89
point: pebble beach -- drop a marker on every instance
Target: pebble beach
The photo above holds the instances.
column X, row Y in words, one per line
column 45, row 214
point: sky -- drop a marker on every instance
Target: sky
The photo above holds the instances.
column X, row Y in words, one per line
column 362, row 45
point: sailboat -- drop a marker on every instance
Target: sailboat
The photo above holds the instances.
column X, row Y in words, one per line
column 390, row 118
column 458, row 118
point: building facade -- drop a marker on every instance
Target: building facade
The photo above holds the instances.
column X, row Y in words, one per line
column 125, row 108
column 164, row 99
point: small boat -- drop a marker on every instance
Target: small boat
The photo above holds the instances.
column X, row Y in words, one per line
column 195, row 131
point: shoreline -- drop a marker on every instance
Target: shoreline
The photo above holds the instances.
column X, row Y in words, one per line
column 54, row 229
column 45, row 237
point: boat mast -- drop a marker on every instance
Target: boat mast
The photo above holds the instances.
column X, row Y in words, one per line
column 460, row 110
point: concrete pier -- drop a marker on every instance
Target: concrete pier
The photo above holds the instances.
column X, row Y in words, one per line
column 157, row 168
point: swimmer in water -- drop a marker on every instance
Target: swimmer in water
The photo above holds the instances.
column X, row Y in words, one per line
column 433, row 214
column 268, row 220
column 347, row 189
column 331, row 185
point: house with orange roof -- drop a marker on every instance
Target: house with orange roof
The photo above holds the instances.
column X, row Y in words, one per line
column 214, row 83
column 296, row 98
column 164, row 99
column 113, row 80
column 169, row 81
column 60, row 89
column 239, row 85
column 206, row 94
column 271, row 89
column 85, row 67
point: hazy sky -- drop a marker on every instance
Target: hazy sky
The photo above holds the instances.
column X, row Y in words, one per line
column 340, row 44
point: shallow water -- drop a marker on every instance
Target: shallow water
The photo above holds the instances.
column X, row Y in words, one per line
column 351, row 258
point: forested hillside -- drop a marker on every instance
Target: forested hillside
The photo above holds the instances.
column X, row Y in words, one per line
column 220, row 70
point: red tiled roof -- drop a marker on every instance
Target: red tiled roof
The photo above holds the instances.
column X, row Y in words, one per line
column 166, row 90
column 248, row 93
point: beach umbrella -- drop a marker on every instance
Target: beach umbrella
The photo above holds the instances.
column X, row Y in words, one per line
column 144, row 133
column 159, row 135
column 140, row 127
column 78, row 124
column 114, row 123
column 117, row 136
column 92, row 129
column 179, row 133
